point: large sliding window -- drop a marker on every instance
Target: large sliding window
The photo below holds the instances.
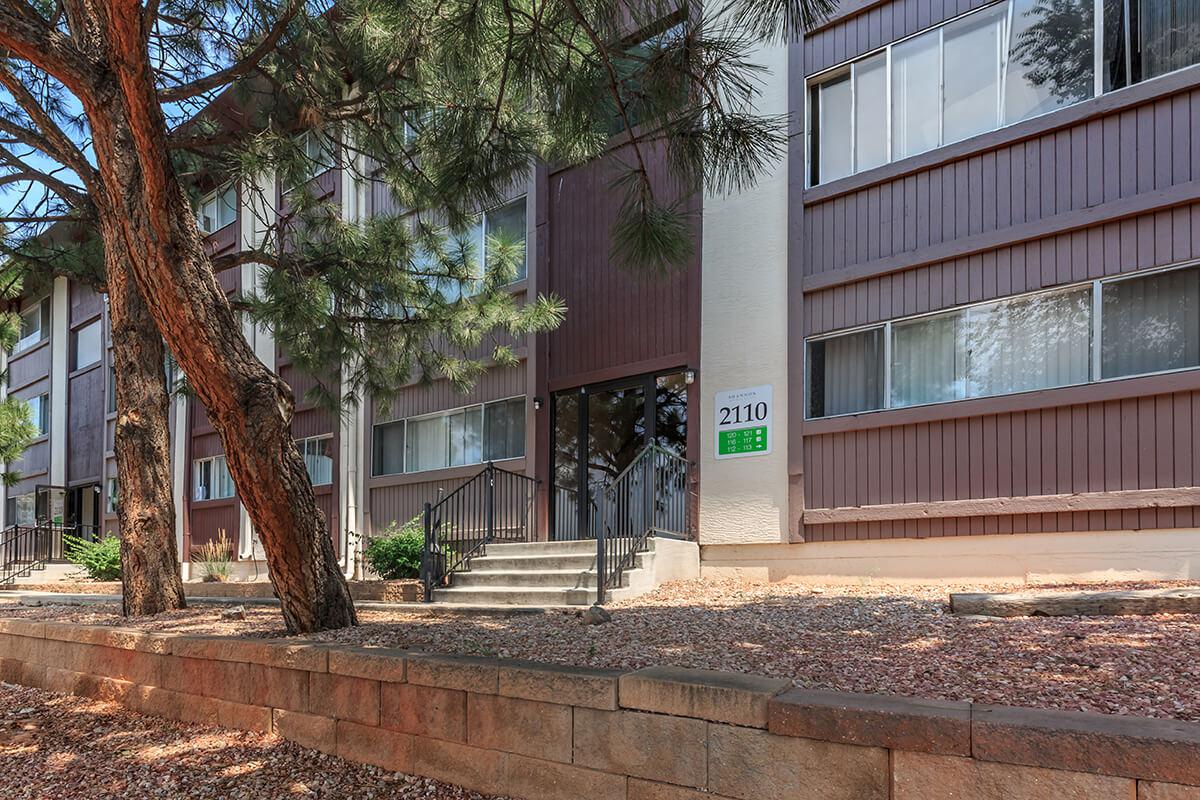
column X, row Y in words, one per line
column 1141, row 324
column 472, row 435
column 996, row 66
column 211, row 479
column 503, row 226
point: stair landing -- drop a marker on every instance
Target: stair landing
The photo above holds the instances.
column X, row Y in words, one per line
column 558, row 574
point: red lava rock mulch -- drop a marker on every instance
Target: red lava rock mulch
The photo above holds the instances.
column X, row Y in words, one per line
column 70, row 748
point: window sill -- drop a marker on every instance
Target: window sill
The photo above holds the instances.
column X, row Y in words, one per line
column 33, row 348
column 215, row 503
column 75, row 373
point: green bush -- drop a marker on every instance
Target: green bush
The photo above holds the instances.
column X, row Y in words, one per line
column 100, row 560
column 396, row 552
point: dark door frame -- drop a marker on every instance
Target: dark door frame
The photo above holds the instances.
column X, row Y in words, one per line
column 648, row 382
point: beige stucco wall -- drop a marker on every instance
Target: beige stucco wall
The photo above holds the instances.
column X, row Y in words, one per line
column 743, row 339
column 1030, row 557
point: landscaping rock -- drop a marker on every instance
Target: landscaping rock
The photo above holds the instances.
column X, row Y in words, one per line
column 237, row 612
column 596, row 615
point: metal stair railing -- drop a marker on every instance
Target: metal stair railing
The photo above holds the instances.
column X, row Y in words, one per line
column 648, row 497
column 26, row 548
column 493, row 506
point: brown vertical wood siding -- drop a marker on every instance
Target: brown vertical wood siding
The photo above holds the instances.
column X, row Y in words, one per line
column 1105, row 188
column 85, row 424
column 616, row 318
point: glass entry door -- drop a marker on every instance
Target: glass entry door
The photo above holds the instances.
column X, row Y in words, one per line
column 598, row 431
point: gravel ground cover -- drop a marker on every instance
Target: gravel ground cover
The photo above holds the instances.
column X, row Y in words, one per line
column 54, row 746
column 874, row 637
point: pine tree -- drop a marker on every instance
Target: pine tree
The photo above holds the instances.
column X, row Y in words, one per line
column 445, row 103
column 17, row 428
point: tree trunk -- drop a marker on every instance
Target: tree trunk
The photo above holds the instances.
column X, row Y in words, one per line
column 144, row 213
column 146, row 510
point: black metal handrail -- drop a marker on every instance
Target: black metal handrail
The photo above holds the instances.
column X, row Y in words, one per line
column 25, row 548
column 494, row 506
column 648, row 497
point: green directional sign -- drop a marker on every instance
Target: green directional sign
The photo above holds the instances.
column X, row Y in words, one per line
column 745, row 440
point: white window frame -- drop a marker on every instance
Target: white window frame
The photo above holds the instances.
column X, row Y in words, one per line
column 74, row 341
column 815, row 80
column 444, row 413
column 1097, row 286
column 43, row 332
column 326, row 153
column 41, row 414
column 213, row 199
column 303, row 443
column 111, row 496
column 212, row 462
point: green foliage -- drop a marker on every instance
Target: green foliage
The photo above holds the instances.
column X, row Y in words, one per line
column 17, row 428
column 100, row 560
column 396, row 552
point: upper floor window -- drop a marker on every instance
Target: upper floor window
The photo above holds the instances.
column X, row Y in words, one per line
column 111, row 496
column 211, row 479
column 471, row 435
column 217, row 209
column 1146, row 324
column 35, row 325
column 86, row 345
column 1147, row 38
column 318, row 458
column 1004, row 63
column 319, row 153
column 39, row 413
column 503, row 223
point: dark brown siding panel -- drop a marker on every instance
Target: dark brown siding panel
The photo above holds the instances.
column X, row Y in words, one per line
column 85, row 303
column 615, row 317
column 29, row 365
column 208, row 519
column 1138, row 443
column 85, row 425
column 495, row 384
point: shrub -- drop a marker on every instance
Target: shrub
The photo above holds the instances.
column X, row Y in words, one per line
column 213, row 557
column 100, row 560
column 396, row 552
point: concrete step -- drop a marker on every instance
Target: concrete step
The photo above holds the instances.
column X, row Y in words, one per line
column 499, row 563
column 509, row 549
column 531, row 579
column 509, row 596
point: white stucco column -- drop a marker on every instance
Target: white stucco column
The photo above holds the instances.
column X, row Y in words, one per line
column 743, row 339
column 352, row 425
column 60, row 345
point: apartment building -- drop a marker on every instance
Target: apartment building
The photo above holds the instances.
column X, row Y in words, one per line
column 956, row 333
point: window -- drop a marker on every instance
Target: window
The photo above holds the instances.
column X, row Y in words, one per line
column 1151, row 324
column 1146, row 323
column 35, row 325
column 211, row 479
column 318, row 458
column 318, row 152
column 86, row 348
column 1147, row 38
column 1004, row 63
column 22, row 509
column 111, row 497
column 505, row 223
column 218, row 209
column 112, row 389
column 471, row 435
column 39, row 413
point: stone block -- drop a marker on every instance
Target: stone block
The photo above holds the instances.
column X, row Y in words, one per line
column 385, row 749
column 650, row 746
column 179, row 706
column 750, row 764
column 20, row 648
column 519, row 726
column 651, row 790
column 552, row 683
column 378, row 663
column 924, row 776
column 471, row 767
column 16, row 626
column 344, row 697
column 1153, row 790
column 903, row 723
column 135, row 666
column 535, row 779
column 215, row 648
column 289, row 654
column 466, row 673
column 243, row 717
column 306, row 730
column 11, row 669
column 702, row 693
column 424, row 711
column 1133, row 747
column 228, row 680
column 278, row 688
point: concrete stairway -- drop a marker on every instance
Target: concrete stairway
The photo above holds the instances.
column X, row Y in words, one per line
column 562, row 574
